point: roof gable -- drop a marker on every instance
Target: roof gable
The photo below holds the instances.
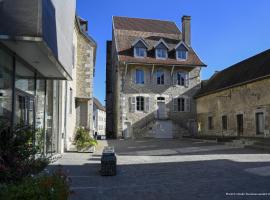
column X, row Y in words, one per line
column 161, row 44
column 139, row 43
column 181, row 45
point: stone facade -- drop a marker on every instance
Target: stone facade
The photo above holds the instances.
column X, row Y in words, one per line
column 246, row 100
column 149, row 109
column 79, row 91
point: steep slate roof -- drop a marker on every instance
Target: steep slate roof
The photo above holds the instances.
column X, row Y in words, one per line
column 145, row 25
column 127, row 30
column 249, row 70
column 98, row 104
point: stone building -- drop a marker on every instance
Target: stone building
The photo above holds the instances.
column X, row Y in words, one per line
column 79, row 91
column 152, row 75
column 99, row 118
column 236, row 101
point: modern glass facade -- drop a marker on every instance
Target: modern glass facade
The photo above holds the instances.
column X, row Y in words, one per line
column 29, row 100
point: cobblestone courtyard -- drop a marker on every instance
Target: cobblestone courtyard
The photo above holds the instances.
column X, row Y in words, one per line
column 170, row 169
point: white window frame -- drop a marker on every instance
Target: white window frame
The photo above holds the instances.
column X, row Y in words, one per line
column 160, row 57
column 139, row 50
column 181, row 58
column 140, row 100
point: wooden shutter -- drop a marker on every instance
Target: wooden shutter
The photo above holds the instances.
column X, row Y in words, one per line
column 132, row 104
column 147, row 104
column 186, row 79
column 175, row 78
column 175, row 104
column 187, row 104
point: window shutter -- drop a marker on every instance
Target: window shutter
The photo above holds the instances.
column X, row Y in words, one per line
column 147, row 104
column 175, row 78
column 132, row 104
column 175, row 104
column 187, row 104
column 167, row 78
column 186, row 79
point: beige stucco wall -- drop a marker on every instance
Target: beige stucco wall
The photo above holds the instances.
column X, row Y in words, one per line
column 246, row 99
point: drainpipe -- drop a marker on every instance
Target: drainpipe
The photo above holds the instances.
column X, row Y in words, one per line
column 65, row 120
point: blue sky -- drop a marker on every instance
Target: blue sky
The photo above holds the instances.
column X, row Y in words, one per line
column 223, row 32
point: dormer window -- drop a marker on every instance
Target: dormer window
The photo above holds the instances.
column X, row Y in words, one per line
column 181, row 51
column 140, row 48
column 161, row 53
column 161, row 49
column 181, row 54
column 139, row 52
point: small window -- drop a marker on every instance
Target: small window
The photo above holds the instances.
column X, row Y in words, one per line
column 160, row 77
column 161, row 98
column 210, row 123
column 224, row 122
column 139, row 76
column 161, row 53
column 140, row 103
column 181, row 54
column 181, row 104
column 70, row 100
column 139, row 52
column 181, row 78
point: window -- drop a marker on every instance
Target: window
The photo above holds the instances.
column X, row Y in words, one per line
column 181, row 104
column 140, row 103
column 210, row 123
column 181, row 54
column 161, row 53
column 160, row 77
column 139, row 76
column 161, row 99
column 181, row 78
column 70, row 100
column 139, row 52
column 224, row 122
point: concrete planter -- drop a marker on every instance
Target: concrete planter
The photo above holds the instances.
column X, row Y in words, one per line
column 91, row 149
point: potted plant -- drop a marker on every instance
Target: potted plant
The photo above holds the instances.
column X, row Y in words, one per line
column 83, row 141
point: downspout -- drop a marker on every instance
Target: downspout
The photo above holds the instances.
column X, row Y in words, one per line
column 65, row 120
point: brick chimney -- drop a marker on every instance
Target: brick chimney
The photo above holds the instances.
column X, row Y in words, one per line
column 186, row 29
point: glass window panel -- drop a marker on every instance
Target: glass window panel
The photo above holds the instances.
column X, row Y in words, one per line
column 6, row 71
column 24, row 78
column 139, row 76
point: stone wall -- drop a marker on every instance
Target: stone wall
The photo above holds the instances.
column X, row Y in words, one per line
column 150, row 89
column 247, row 99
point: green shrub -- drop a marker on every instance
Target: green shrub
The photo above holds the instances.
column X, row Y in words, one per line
column 83, row 139
column 53, row 187
column 17, row 155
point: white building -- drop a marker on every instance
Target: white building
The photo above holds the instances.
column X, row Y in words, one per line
column 99, row 118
